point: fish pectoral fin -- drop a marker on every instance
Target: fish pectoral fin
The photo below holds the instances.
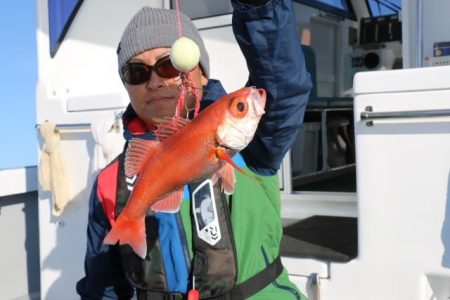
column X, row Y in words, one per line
column 137, row 152
column 221, row 154
column 170, row 203
column 228, row 179
column 129, row 232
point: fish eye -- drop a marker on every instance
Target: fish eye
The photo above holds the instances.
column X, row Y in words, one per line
column 239, row 107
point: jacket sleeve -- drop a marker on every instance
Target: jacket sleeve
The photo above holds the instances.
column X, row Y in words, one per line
column 269, row 40
column 104, row 276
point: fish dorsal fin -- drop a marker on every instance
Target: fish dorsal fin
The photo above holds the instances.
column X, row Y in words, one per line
column 137, row 152
column 170, row 203
column 169, row 127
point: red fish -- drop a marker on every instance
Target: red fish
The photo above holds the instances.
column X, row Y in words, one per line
column 185, row 151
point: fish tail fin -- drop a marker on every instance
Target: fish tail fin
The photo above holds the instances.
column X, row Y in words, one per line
column 130, row 232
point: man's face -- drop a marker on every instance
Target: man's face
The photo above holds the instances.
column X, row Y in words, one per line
column 156, row 99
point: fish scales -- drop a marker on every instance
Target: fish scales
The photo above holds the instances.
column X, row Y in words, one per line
column 196, row 150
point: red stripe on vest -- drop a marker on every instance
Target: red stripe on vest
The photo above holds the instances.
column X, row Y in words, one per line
column 137, row 126
column 107, row 189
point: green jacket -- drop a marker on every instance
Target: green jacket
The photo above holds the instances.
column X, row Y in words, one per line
column 257, row 229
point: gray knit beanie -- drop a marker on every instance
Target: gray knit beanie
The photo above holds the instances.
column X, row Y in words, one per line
column 154, row 28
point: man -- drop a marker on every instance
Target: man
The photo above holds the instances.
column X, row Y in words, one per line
column 244, row 263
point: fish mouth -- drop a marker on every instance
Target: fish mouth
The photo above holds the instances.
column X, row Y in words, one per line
column 230, row 151
column 260, row 96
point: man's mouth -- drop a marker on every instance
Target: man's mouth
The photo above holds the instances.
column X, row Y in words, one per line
column 157, row 99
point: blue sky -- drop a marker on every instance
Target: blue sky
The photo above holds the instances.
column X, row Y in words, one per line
column 18, row 76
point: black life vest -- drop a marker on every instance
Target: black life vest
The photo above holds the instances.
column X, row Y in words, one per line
column 214, row 266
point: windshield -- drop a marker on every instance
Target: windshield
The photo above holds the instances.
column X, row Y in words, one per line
column 384, row 7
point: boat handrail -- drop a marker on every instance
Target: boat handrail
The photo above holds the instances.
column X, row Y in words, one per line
column 368, row 115
column 71, row 127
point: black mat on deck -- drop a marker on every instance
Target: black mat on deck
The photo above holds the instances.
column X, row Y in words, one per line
column 320, row 237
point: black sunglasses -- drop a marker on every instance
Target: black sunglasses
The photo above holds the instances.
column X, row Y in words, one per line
column 135, row 73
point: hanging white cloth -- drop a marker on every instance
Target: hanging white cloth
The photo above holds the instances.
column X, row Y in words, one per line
column 108, row 143
column 52, row 173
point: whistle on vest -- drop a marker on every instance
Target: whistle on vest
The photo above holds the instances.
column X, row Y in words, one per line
column 193, row 294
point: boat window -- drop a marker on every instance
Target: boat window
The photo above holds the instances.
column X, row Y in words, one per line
column 203, row 8
column 323, row 155
column 340, row 8
column 384, row 7
column 60, row 16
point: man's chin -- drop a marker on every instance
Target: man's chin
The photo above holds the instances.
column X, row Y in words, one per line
column 162, row 118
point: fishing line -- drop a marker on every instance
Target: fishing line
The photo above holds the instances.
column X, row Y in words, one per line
column 177, row 7
column 187, row 86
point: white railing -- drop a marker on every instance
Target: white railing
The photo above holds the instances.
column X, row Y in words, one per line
column 18, row 181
